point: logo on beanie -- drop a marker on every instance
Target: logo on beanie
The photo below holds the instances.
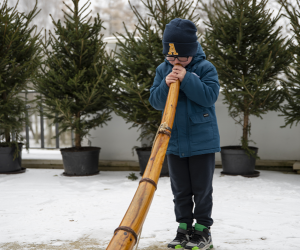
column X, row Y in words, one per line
column 172, row 50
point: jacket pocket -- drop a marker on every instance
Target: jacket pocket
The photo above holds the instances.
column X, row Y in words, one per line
column 201, row 127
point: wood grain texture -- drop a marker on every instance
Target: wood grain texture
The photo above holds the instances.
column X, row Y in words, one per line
column 140, row 204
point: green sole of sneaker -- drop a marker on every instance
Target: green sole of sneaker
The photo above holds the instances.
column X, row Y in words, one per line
column 206, row 248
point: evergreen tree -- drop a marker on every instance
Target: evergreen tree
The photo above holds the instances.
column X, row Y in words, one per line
column 291, row 111
column 140, row 54
column 20, row 56
column 76, row 75
column 247, row 49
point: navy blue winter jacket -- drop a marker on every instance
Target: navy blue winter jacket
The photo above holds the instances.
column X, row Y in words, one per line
column 195, row 129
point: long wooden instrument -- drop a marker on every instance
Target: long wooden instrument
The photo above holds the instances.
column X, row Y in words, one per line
column 125, row 236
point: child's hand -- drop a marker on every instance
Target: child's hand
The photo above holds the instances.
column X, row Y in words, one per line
column 171, row 78
column 179, row 71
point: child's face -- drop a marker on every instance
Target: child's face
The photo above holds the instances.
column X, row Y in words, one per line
column 183, row 64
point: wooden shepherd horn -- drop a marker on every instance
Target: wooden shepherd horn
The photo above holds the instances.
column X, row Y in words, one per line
column 125, row 236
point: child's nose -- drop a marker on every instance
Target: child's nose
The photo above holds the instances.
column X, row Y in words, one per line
column 176, row 60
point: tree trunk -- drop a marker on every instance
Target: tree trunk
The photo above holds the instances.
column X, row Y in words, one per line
column 7, row 135
column 246, row 122
column 63, row 138
column 36, row 134
column 6, row 130
column 77, row 134
column 49, row 134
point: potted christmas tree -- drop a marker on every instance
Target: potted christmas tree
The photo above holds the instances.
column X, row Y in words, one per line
column 74, row 82
column 291, row 110
column 137, row 61
column 245, row 45
column 19, row 59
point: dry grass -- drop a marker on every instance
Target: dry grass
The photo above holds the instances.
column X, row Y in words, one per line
column 80, row 244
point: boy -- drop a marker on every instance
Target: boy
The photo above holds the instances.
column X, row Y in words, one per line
column 195, row 136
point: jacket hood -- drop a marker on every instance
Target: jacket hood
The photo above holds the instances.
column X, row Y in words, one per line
column 200, row 55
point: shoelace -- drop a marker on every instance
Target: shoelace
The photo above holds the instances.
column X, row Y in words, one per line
column 196, row 238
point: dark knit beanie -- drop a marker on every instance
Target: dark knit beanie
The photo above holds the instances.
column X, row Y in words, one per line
column 180, row 38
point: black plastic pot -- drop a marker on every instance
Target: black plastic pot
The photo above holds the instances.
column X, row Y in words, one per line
column 80, row 162
column 235, row 161
column 144, row 155
column 7, row 163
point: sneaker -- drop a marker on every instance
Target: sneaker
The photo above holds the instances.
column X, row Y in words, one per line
column 201, row 239
column 182, row 237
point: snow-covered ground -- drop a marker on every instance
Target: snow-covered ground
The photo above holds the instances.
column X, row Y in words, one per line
column 41, row 209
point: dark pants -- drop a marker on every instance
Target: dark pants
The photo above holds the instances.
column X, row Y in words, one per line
column 192, row 176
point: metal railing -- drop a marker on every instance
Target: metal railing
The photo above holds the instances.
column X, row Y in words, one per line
column 41, row 135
